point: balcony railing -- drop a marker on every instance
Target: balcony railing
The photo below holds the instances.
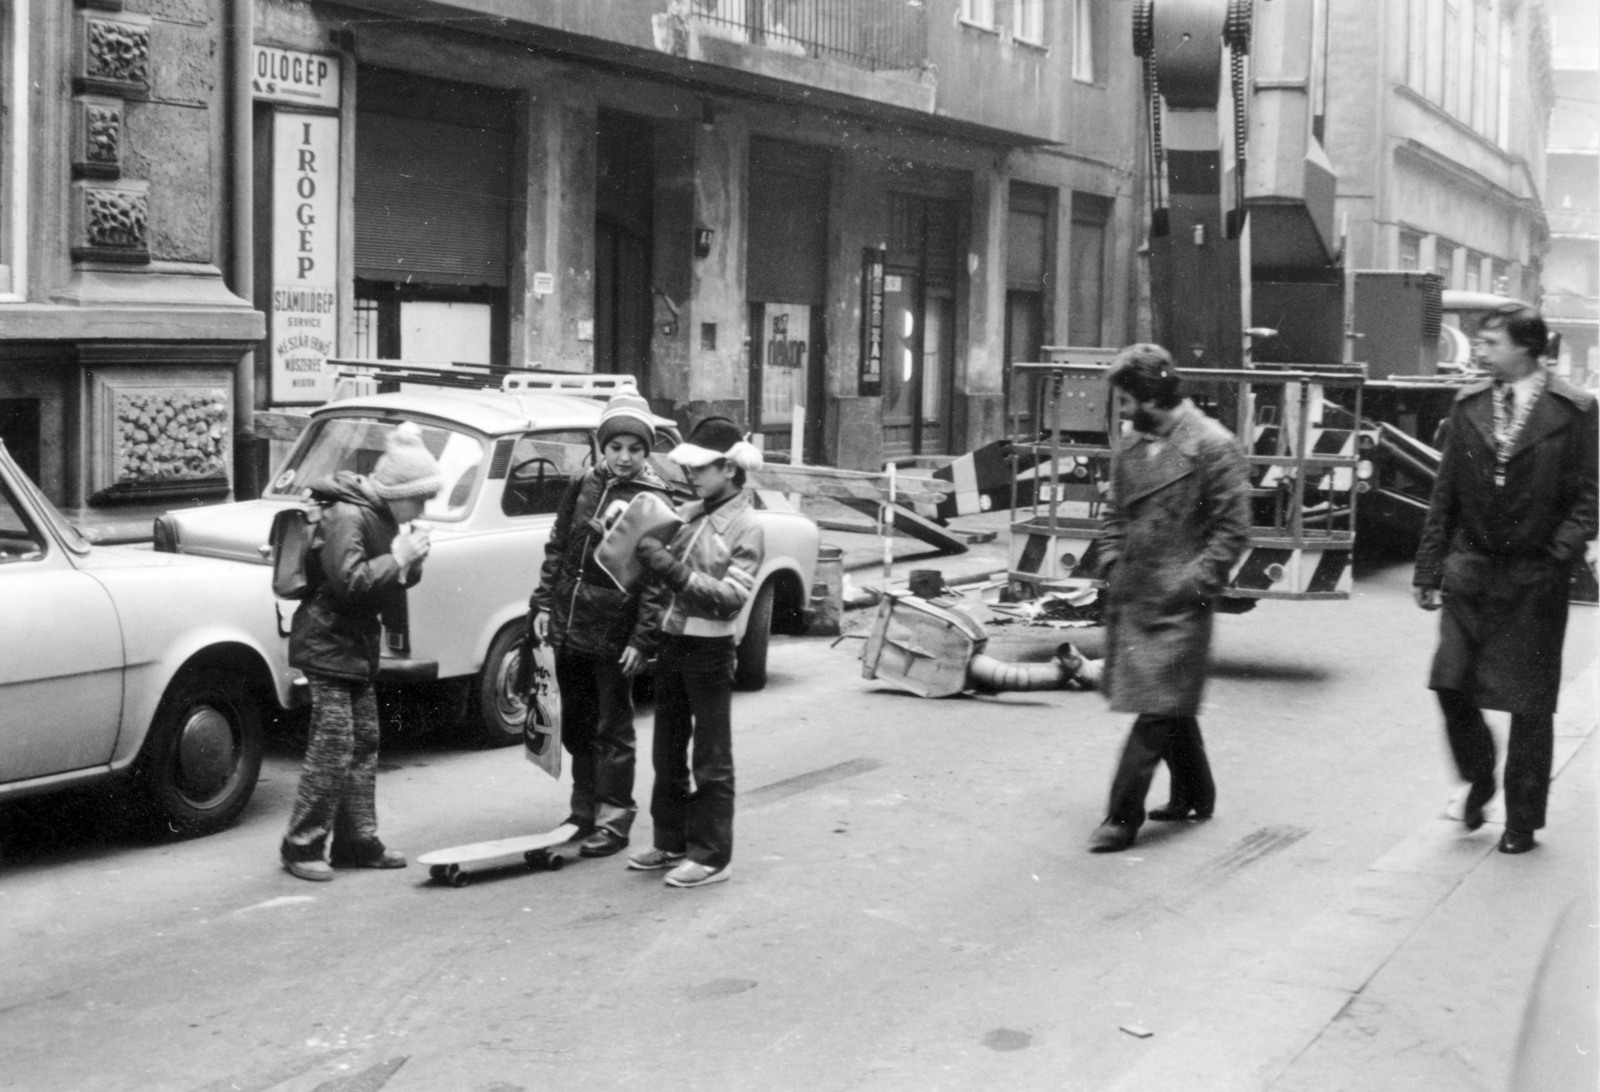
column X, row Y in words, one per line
column 877, row 35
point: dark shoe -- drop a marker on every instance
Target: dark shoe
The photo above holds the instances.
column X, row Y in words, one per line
column 318, row 871
column 1177, row 813
column 1516, row 841
column 1110, row 837
column 602, row 843
column 1472, row 810
column 652, row 859
column 369, row 857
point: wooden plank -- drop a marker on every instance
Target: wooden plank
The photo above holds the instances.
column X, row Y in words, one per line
column 909, row 523
column 279, row 425
column 824, row 481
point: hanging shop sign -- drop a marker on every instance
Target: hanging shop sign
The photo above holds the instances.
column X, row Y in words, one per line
column 872, row 263
column 302, row 79
column 305, row 255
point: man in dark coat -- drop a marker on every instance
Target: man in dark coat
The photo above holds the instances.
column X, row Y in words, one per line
column 364, row 562
column 1512, row 507
column 1179, row 519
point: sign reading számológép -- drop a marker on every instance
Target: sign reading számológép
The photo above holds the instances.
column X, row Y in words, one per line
column 288, row 75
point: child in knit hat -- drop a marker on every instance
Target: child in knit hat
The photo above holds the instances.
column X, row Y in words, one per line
column 364, row 563
column 600, row 636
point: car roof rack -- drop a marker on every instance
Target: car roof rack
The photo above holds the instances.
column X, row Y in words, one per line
column 484, row 377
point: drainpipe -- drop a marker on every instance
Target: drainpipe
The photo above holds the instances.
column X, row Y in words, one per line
column 242, row 200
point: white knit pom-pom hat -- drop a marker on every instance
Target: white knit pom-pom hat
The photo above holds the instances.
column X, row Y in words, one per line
column 717, row 438
column 405, row 469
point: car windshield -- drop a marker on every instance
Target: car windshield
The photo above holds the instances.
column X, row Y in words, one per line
column 65, row 528
column 356, row 443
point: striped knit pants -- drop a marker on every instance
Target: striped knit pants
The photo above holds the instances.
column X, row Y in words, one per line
column 338, row 783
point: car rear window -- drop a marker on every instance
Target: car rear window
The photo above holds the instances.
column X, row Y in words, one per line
column 355, row 444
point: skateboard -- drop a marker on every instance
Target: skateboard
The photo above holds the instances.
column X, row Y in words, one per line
column 546, row 852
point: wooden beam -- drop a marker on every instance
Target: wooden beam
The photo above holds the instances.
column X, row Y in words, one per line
column 823, row 481
column 909, row 523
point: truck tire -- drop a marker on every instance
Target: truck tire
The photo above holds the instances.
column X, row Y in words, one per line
column 750, row 670
column 201, row 760
column 499, row 711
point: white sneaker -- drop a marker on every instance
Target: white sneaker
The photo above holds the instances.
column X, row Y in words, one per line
column 695, row 874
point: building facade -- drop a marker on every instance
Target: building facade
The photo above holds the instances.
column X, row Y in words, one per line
column 1435, row 125
column 1572, row 198
column 832, row 220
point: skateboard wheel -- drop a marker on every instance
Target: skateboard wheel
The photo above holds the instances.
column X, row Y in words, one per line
column 436, row 872
column 534, row 858
column 554, row 862
column 456, row 878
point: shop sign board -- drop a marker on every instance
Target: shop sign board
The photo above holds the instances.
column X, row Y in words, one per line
column 304, row 319
column 872, row 287
column 301, row 79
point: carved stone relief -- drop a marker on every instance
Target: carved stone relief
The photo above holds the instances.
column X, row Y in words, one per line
column 116, row 53
column 98, row 151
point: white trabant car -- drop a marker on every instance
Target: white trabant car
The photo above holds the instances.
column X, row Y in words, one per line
column 508, row 456
column 116, row 661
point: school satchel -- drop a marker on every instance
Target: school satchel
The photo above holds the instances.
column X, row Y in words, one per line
column 295, row 571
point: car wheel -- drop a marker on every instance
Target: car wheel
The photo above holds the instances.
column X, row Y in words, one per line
column 750, row 671
column 501, row 712
column 203, row 755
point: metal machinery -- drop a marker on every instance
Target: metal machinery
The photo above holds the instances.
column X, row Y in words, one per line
column 1305, row 474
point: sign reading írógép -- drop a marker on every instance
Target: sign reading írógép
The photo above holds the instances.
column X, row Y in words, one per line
column 288, row 75
column 305, row 255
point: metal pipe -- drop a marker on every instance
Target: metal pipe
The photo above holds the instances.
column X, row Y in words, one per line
column 242, row 199
column 984, row 672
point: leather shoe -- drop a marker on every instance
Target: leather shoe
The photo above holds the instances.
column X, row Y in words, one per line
column 316, row 870
column 602, row 843
column 374, row 856
column 1472, row 810
column 1516, row 841
column 1175, row 812
column 1111, row 837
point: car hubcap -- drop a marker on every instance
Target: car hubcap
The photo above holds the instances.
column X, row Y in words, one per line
column 509, row 703
column 207, row 752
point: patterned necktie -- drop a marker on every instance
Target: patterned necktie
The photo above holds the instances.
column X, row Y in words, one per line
column 1509, row 417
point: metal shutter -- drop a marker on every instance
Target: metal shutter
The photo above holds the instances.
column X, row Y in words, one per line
column 432, row 201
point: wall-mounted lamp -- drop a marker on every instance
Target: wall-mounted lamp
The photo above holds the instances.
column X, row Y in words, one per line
column 708, row 116
column 702, row 242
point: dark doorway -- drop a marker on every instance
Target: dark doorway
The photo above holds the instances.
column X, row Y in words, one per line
column 623, row 226
column 919, row 303
column 19, row 428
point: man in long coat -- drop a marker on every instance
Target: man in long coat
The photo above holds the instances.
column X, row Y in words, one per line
column 1512, row 507
column 1180, row 518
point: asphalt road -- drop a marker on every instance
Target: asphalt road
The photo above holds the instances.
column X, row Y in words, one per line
column 912, row 906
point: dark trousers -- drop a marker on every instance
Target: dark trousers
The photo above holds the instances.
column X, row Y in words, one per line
column 339, row 779
column 597, row 731
column 694, row 703
column 1153, row 739
column 1528, row 756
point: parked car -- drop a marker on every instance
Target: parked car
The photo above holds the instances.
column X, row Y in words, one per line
column 508, row 456
column 118, row 662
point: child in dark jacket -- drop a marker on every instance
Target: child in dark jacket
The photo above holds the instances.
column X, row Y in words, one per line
column 700, row 582
column 601, row 637
column 365, row 562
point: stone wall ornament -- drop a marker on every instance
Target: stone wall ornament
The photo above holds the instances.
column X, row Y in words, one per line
column 97, row 149
column 113, row 54
column 112, row 224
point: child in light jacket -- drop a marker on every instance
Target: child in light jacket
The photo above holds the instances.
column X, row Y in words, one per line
column 699, row 583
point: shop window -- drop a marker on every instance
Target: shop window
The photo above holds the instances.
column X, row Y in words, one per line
column 14, row 98
column 435, row 325
column 1500, row 283
column 979, row 13
column 1027, row 21
column 1409, row 252
column 1473, row 279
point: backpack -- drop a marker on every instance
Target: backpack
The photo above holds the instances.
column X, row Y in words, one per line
column 296, row 573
